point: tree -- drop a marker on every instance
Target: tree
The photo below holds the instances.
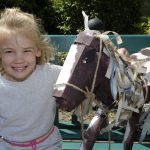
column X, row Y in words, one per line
column 123, row 16
column 65, row 16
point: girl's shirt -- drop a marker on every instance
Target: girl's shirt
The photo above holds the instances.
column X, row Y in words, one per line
column 27, row 109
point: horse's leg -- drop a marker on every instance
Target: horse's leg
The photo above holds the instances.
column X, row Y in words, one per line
column 130, row 133
column 92, row 131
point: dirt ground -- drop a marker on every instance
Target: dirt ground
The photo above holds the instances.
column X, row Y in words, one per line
column 67, row 116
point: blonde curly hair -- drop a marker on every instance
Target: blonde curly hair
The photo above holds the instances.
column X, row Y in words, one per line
column 13, row 21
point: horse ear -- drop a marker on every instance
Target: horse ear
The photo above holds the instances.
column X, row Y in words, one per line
column 85, row 20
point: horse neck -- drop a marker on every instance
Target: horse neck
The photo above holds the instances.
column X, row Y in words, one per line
column 102, row 87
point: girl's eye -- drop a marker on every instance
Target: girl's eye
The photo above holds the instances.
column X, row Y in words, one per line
column 8, row 51
column 28, row 50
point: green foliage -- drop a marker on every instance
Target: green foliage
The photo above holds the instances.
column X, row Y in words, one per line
column 65, row 16
column 59, row 58
column 71, row 19
column 123, row 16
column 148, row 30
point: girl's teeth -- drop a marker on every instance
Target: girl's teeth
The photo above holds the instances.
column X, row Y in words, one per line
column 19, row 69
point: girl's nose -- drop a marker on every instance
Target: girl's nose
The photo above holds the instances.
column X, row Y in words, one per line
column 19, row 57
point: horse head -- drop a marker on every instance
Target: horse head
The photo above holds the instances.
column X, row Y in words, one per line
column 81, row 72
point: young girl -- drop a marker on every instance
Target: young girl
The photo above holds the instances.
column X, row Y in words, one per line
column 27, row 109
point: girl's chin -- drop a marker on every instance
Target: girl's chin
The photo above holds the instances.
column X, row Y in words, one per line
column 17, row 77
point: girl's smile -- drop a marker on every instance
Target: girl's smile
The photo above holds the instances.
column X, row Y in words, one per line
column 18, row 56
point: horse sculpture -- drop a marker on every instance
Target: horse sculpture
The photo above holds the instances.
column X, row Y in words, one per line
column 95, row 71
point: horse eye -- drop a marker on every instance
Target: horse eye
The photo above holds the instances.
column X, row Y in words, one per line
column 89, row 56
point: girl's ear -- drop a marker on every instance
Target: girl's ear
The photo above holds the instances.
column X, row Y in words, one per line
column 38, row 53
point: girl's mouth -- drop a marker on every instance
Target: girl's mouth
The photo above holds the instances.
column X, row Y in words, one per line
column 19, row 69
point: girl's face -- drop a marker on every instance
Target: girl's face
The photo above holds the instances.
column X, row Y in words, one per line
column 18, row 56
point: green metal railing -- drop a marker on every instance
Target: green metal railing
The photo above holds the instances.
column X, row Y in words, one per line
column 131, row 42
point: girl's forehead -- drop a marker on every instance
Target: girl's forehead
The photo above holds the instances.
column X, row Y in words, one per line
column 18, row 39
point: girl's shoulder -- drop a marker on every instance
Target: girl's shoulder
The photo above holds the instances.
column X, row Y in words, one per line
column 49, row 70
column 49, row 67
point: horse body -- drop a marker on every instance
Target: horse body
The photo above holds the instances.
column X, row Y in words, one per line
column 144, row 56
column 96, row 72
